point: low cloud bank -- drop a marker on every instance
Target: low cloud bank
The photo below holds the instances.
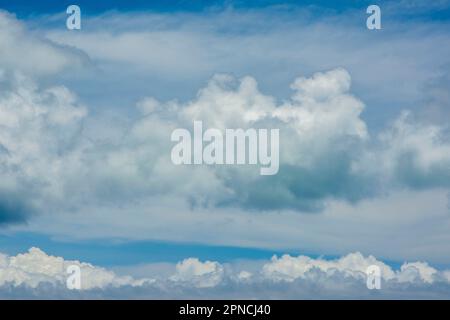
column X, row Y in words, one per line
column 35, row 274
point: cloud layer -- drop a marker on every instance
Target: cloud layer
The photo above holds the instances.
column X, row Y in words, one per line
column 301, row 277
column 71, row 169
column 325, row 149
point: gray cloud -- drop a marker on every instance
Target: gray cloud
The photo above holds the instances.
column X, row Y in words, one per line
column 13, row 210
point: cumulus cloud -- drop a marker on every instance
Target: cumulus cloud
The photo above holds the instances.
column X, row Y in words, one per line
column 56, row 158
column 326, row 151
column 286, row 277
column 36, row 267
column 200, row 274
column 37, row 131
column 353, row 265
column 289, row 268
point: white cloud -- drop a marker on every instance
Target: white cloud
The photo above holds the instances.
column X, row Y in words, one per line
column 286, row 277
column 179, row 51
column 415, row 154
column 36, row 267
column 409, row 272
column 39, row 136
column 62, row 170
column 20, row 50
column 39, row 131
column 199, row 274
column 42, row 135
column 354, row 265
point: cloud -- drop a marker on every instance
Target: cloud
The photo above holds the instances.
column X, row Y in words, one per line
column 326, row 150
column 417, row 270
column 37, row 131
column 62, row 166
column 416, row 155
column 68, row 169
column 28, row 274
column 16, row 44
column 289, row 268
column 200, row 274
column 328, row 125
column 44, row 138
column 36, row 267
column 13, row 209
column 162, row 53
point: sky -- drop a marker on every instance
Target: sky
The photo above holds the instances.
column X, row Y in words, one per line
column 86, row 118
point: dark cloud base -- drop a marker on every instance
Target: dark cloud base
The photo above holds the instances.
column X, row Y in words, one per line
column 297, row 290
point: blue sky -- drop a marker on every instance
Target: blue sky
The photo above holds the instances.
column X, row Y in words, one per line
column 48, row 6
column 114, row 252
column 414, row 10
column 86, row 117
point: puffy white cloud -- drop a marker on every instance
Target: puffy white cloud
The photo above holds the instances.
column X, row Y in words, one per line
column 36, row 267
column 226, row 103
column 313, row 128
column 410, row 272
column 25, row 275
column 321, row 121
column 42, row 136
column 244, row 276
column 354, row 265
column 200, row 274
column 56, row 158
column 322, row 86
column 38, row 131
